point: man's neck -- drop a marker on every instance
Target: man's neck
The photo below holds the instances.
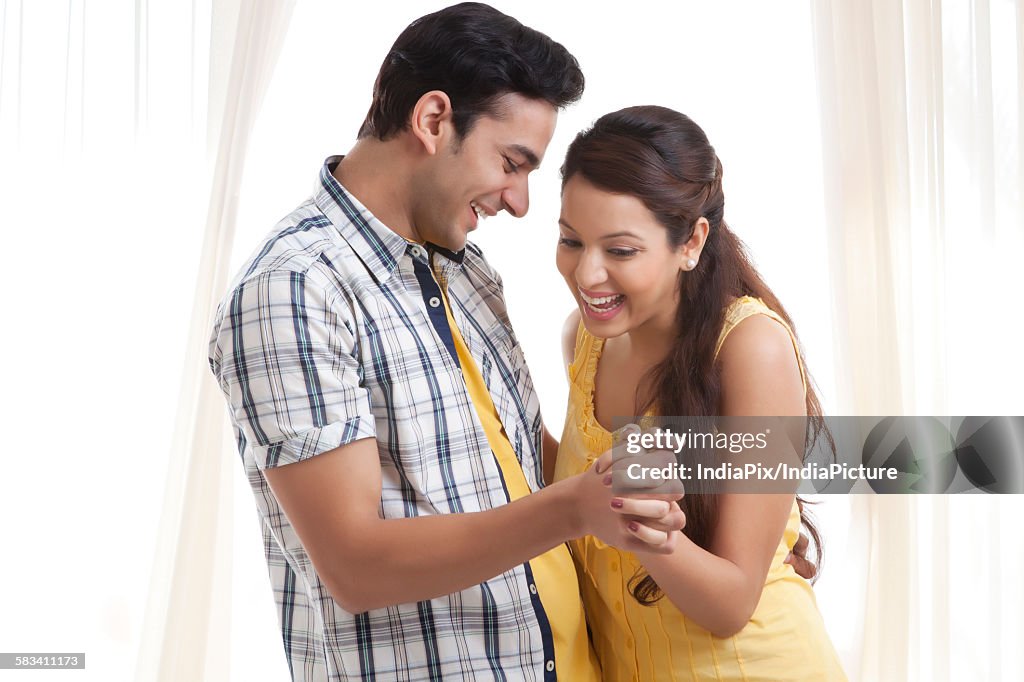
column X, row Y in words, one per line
column 375, row 173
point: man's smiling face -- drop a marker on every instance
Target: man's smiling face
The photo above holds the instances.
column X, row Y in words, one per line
column 485, row 172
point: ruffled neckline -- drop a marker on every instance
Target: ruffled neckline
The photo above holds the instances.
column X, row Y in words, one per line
column 595, row 437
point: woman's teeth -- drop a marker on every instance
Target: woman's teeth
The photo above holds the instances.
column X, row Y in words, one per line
column 480, row 213
column 604, row 302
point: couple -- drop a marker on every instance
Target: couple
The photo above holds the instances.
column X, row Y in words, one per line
column 388, row 423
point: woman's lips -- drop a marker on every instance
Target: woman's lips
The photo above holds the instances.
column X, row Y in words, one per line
column 601, row 307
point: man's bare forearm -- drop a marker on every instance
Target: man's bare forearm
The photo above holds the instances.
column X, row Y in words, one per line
column 396, row 561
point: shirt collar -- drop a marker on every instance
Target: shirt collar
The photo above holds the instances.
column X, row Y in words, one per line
column 454, row 256
column 377, row 246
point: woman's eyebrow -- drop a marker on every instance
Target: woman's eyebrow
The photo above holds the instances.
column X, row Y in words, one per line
column 613, row 235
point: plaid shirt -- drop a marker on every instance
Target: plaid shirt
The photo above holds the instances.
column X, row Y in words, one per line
column 334, row 331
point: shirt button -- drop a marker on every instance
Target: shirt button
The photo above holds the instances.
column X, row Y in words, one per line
column 434, row 301
column 533, row 589
column 550, row 665
column 417, row 251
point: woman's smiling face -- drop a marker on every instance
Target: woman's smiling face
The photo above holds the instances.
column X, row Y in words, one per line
column 616, row 258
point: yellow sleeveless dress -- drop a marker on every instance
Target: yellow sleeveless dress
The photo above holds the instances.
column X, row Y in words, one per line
column 785, row 638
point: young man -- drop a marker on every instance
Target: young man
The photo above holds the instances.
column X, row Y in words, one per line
column 385, row 415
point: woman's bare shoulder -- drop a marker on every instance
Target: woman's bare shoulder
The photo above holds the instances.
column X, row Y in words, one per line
column 760, row 370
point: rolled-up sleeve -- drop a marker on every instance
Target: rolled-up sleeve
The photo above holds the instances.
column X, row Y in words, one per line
column 284, row 355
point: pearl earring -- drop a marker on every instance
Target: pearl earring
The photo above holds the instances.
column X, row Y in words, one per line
column 691, row 264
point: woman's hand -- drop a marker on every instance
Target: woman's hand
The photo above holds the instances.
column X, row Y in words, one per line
column 638, row 520
column 651, row 502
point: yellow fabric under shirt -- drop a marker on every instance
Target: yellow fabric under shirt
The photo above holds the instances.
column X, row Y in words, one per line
column 553, row 572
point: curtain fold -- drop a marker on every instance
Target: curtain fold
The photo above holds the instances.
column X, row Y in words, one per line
column 921, row 112
column 187, row 628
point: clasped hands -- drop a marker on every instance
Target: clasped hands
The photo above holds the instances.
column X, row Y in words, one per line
column 645, row 515
column 631, row 513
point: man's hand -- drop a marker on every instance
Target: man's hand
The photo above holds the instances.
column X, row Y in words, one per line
column 799, row 561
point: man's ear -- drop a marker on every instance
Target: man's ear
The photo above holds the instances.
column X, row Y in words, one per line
column 431, row 121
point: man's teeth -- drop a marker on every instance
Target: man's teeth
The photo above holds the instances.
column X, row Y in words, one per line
column 480, row 213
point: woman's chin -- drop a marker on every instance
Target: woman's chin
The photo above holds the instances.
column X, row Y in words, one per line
column 603, row 328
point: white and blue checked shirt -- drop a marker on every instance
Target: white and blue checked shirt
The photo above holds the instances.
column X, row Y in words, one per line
column 334, row 331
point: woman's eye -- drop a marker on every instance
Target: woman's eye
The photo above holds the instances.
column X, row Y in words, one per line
column 623, row 253
column 571, row 243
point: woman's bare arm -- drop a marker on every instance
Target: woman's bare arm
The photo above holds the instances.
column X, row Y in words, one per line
column 719, row 589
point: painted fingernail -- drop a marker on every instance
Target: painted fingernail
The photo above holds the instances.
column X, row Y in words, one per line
column 633, row 526
column 617, row 503
column 607, row 480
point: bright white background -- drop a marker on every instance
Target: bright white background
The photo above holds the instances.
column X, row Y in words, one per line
column 102, row 206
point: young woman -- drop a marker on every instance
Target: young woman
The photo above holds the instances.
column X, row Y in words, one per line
column 674, row 320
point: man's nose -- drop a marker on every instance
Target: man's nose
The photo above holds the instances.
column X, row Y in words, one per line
column 517, row 198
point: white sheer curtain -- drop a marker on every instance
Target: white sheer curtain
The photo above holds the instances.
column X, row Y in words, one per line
column 123, row 131
column 922, row 115
column 187, row 633
column 102, row 160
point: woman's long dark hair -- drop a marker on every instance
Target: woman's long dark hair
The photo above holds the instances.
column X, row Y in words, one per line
column 664, row 159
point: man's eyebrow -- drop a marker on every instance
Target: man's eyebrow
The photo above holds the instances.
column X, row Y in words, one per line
column 527, row 153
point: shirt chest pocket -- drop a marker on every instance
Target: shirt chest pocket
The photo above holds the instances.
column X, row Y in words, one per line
column 498, row 355
column 502, row 365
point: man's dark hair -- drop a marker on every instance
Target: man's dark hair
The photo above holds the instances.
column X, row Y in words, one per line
column 474, row 54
